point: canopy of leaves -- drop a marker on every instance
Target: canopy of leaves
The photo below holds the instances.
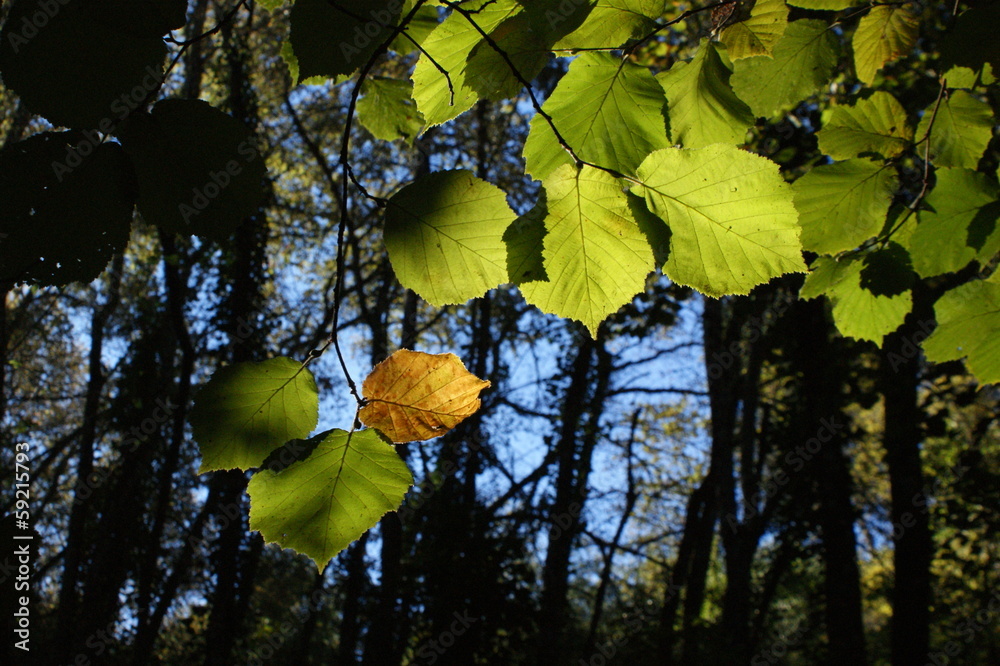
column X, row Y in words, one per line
column 969, row 327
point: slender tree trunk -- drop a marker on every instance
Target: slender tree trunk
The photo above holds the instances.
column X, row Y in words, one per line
column 354, row 588
column 824, row 375
column 911, row 531
column 75, row 553
column 552, row 648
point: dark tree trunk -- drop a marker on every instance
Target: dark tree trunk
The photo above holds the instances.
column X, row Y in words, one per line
column 911, row 532
column 824, row 374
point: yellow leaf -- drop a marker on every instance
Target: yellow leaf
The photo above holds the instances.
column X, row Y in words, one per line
column 883, row 35
column 413, row 396
column 759, row 33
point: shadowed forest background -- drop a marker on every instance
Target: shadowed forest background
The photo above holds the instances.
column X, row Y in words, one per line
column 706, row 481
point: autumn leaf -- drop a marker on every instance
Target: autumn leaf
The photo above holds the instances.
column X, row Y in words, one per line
column 413, row 396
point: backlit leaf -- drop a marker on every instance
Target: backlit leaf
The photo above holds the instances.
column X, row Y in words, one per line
column 884, row 34
column 247, row 410
column 730, row 213
column 969, row 327
column 829, row 5
column 441, row 97
column 388, row 111
column 803, row 61
column 413, row 396
column 444, row 234
column 524, row 240
column 608, row 110
column 843, row 204
column 759, row 33
column 319, row 505
column 962, row 223
column 595, row 256
column 876, row 125
column 703, row 108
column 962, row 128
column 857, row 311
column 608, row 23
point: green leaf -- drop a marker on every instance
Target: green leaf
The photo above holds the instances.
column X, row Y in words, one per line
column 969, row 327
column 656, row 230
column 759, row 33
column 331, row 37
column 388, row 111
column 884, row 34
column 973, row 41
column 319, row 505
column 595, row 255
column 77, row 70
column 825, row 5
column 841, row 205
column 962, row 129
column 248, row 410
column 441, row 97
column 525, row 39
column 444, row 234
column 966, row 77
column 608, row 110
column 961, row 224
column 730, row 213
column 857, row 312
column 524, row 240
column 198, row 170
column 875, row 125
column 804, row 60
column 422, row 25
column 887, row 271
column 66, row 206
column 607, row 23
column 703, row 108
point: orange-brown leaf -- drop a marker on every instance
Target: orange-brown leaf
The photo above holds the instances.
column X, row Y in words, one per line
column 413, row 396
